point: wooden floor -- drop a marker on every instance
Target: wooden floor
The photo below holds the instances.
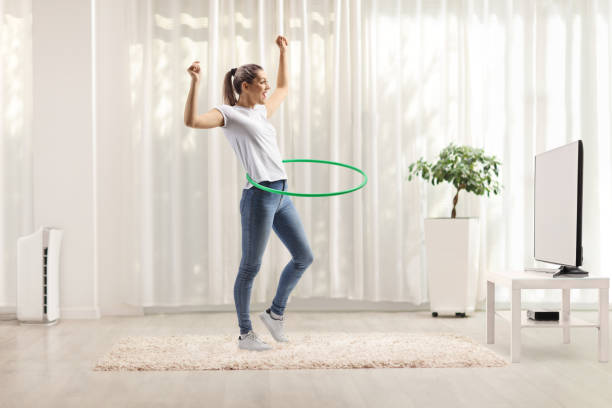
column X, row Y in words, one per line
column 52, row 367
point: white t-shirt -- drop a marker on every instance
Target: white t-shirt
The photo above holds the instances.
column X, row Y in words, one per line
column 253, row 138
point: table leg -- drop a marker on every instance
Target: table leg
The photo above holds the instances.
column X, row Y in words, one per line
column 515, row 327
column 490, row 312
column 565, row 312
column 603, row 324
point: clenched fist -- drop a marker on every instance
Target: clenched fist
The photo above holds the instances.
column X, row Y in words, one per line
column 282, row 43
column 194, row 71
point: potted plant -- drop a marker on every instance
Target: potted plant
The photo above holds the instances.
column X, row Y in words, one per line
column 452, row 244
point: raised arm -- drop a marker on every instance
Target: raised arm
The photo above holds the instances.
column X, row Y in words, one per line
column 282, row 83
column 208, row 120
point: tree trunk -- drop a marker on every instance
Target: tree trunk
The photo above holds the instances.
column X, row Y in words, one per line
column 454, row 212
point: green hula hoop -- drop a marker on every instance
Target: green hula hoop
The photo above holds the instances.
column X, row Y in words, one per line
column 271, row 190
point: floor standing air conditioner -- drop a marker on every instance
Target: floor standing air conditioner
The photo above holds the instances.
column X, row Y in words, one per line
column 38, row 277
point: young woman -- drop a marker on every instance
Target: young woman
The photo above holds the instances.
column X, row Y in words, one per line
column 253, row 138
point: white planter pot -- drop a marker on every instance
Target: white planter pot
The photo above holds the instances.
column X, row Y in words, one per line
column 452, row 247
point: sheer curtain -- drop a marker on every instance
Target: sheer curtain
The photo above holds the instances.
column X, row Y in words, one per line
column 15, row 140
column 376, row 84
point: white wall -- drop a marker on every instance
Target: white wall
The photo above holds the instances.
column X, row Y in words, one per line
column 63, row 191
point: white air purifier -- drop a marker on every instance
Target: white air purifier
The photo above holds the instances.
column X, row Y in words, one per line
column 38, row 277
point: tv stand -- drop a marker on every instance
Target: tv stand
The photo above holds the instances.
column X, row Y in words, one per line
column 521, row 280
column 570, row 272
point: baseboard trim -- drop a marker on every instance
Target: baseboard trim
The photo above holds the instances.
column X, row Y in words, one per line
column 296, row 305
column 122, row 310
column 84, row 312
column 10, row 312
column 348, row 305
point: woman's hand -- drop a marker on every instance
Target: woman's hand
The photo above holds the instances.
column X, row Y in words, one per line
column 282, row 43
column 194, row 71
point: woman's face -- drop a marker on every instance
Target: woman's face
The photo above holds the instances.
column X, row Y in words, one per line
column 258, row 90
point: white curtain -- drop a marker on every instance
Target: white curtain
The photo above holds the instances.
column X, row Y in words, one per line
column 376, row 84
column 15, row 140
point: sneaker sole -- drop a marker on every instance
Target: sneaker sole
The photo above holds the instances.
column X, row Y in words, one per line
column 263, row 319
column 254, row 349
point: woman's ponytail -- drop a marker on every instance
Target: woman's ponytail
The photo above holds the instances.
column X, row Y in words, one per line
column 229, row 98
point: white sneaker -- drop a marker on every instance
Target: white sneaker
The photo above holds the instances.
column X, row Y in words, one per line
column 251, row 341
column 275, row 326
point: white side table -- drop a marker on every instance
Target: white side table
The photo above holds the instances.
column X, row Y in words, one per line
column 517, row 280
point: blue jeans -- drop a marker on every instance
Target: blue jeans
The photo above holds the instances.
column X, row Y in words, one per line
column 261, row 211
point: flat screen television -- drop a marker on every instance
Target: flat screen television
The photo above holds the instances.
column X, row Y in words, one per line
column 558, row 208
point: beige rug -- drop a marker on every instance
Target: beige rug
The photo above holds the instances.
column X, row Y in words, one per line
column 304, row 351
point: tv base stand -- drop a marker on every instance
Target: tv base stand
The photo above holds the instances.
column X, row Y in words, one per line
column 570, row 272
